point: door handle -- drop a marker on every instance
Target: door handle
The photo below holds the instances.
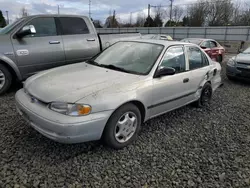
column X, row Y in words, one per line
column 54, row 42
column 186, row 80
column 90, row 39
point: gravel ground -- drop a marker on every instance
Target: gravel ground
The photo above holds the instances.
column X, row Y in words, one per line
column 188, row 147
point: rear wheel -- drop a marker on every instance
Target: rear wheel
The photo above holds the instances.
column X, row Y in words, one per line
column 230, row 78
column 123, row 127
column 5, row 79
column 219, row 58
column 206, row 96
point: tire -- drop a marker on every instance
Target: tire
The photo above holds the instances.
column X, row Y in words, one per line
column 231, row 78
column 219, row 58
column 113, row 131
column 205, row 97
column 5, row 79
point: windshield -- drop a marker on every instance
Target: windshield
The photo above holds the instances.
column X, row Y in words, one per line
column 194, row 41
column 131, row 57
column 246, row 51
column 9, row 27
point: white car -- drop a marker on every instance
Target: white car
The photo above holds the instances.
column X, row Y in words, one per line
column 112, row 94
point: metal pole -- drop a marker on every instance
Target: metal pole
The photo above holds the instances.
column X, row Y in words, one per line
column 58, row 9
column 89, row 8
column 171, row 9
column 7, row 17
column 130, row 18
column 148, row 13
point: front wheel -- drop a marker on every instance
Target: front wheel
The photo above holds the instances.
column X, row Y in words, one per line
column 5, row 79
column 206, row 96
column 123, row 127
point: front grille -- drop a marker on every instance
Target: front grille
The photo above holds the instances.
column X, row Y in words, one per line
column 241, row 63
column 243, row 69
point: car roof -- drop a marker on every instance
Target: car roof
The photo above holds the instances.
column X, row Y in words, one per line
column 161, row 42
column 55, row 15
column 202, row 39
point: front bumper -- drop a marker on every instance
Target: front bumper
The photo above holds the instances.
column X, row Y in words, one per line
column 59, row 127
column 238, row 72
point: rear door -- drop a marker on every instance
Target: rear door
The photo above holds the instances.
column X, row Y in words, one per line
column 79, row 39
column 215, row 50
column 199, row 67
column 39, row 51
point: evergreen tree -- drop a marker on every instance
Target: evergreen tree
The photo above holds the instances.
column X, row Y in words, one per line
column 2, row 20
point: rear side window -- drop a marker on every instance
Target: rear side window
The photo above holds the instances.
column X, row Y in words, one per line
column 44, row 27
column 206, row 44
column 196, row 58
column 73, row 26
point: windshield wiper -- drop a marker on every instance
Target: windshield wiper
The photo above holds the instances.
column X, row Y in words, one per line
column 92, row 62
column 113, row 67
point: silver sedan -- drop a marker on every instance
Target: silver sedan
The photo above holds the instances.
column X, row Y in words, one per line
column 112, row 94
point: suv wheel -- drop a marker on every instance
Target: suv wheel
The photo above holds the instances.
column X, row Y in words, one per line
column 5, row 79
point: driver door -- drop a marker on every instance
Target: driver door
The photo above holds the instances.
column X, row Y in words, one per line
column 172, row 91
column 39, row 51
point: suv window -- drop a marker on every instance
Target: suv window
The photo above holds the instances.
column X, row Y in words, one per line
column 196, row 58
column 206, row 44
column 44, row 27
column 213, row 44
column 175, row 58
column 73, row 26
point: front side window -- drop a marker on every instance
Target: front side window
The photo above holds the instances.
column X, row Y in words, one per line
column 44, row 27
column 206, row 44
column 73, row 26
column 196, row 58
column 175, row 58
column 132, row 57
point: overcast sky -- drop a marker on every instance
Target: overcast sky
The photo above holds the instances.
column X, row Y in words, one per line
column 100, row 8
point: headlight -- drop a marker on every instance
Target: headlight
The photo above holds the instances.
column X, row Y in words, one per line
column 231, row 62
column 70, row 109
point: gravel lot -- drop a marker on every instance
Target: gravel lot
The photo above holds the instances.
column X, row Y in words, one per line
column 188, row 147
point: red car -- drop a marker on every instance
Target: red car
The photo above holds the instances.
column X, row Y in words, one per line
column 210, row 46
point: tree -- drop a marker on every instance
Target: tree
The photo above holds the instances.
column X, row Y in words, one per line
column 140, row 20
column 2, row 20
column 97, row 23
column 185, row 21
column 149, row 22
column 24, row 12
column 220, row 12
column 158, row 21
column 111, row 21
column 197, row 13
column 177, row 13
column 158, row 17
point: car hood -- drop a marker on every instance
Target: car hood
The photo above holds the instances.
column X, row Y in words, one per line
column 73, row 82
column 243, row 58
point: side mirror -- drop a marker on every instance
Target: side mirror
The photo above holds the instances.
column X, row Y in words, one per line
column 164, row 71
column 26, row 30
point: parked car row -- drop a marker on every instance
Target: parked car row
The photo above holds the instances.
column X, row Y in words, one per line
column 115, row 82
